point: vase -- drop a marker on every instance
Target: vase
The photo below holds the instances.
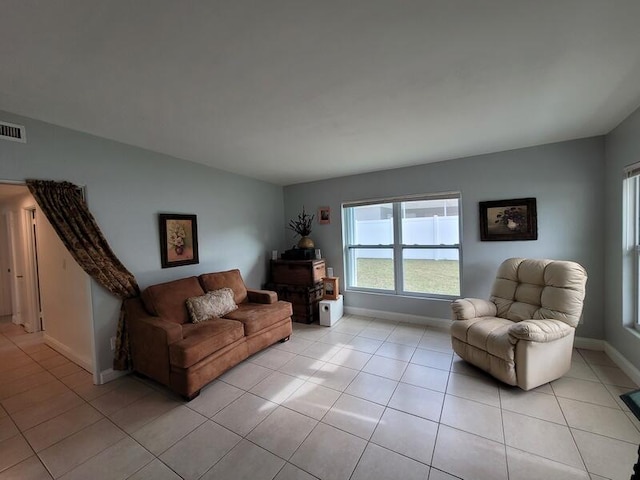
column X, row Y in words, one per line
column 179, row 249
column 305, row 242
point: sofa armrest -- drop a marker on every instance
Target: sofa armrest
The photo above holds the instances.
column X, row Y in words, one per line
column 165, row 331
column 139, row 318
column 542, row 331
column 149, row 338
column 467, row 308
column 261, row 296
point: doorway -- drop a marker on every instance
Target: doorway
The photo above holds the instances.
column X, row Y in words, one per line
column 20, row 285
column 49, row 290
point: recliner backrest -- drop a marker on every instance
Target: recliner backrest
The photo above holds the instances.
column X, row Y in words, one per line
column 539, row 289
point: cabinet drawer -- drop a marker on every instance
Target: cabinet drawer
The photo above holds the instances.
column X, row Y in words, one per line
column 297, row 272
column 297, row 294
column 306, row 313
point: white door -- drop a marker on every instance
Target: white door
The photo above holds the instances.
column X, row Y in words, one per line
column 33, row 321
column 25, row 291
column 17, row 269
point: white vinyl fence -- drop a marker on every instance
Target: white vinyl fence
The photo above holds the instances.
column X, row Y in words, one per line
column 434, row 230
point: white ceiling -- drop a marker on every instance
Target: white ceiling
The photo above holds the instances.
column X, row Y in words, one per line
column 296, row 90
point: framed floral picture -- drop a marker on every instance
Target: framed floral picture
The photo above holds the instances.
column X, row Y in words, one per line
column 514, row 219
column 178, row 240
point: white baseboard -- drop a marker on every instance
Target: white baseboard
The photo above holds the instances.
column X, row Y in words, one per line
column 402, row 317
column 588, row 343
column 110, row 374
column 62, row 349
column 579, row 342
column 601, row 345
column 625, row 365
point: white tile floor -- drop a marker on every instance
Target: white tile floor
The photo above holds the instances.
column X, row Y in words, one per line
column 365, row 399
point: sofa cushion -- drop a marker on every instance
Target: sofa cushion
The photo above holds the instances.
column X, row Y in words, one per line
column 202, row 339
column 258, row 316
column 168, row 300
column 230, row 278
column 216, row 303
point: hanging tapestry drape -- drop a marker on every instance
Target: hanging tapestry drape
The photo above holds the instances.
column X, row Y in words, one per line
column 65, row 208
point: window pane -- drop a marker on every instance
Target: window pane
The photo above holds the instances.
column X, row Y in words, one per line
column 372, row 225
column 373, row 268
column 430, row 222
column 431, row 271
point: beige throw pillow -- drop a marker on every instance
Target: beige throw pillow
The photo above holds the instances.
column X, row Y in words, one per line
column 215, row 303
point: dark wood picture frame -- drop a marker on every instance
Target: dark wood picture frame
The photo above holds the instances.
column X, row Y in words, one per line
column 178, row 239
column 508, row 220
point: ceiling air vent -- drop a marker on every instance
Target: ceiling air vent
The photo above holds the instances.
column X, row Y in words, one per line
column 13, row 132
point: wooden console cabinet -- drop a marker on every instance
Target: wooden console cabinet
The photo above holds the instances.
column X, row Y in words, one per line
column 299, row 282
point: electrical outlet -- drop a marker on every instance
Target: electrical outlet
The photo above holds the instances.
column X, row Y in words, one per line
column 113, row 343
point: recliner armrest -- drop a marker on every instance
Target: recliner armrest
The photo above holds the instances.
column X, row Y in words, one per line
column 542, row 331
column 261, row 296
column 467, row 308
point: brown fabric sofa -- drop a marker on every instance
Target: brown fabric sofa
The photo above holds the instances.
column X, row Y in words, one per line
column 185, row 356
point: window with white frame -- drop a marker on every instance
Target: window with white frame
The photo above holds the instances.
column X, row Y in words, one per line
column 631, row 265
column 404, row 246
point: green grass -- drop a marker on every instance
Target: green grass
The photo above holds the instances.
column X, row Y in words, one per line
column 424, row 276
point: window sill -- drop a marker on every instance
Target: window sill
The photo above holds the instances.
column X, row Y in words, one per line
column 443, row 298
column 634, row 330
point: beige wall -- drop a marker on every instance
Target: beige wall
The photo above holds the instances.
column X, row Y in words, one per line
column 66, row 297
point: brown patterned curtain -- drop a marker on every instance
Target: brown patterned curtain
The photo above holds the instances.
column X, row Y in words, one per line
column 65, row 208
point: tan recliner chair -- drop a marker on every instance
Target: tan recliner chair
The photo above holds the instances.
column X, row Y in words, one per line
column 524, row 334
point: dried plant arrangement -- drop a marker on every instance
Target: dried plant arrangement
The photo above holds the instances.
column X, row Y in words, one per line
column 302, row 225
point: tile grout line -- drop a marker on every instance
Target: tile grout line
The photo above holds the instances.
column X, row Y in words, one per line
column 504, row 433
column 435, row 441
column 584, row 463
column 341, row 393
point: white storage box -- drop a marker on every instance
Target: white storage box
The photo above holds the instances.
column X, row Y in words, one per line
column 331, row 311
